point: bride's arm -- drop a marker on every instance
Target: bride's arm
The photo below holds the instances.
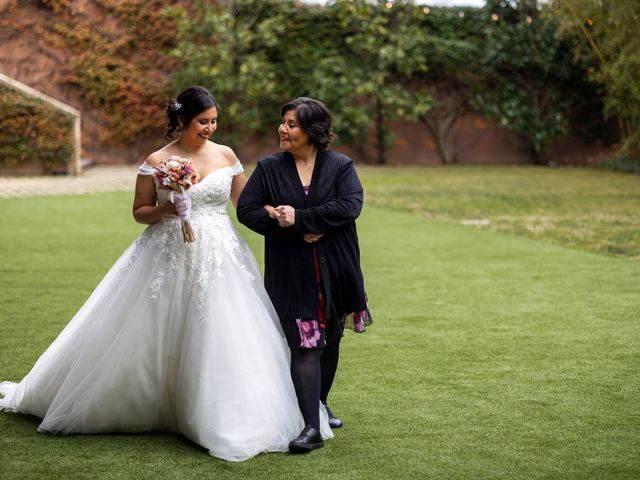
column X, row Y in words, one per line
column 145, row 208
column 239, row 181
column 239, row 178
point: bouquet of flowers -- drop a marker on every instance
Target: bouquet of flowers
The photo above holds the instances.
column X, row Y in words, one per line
column 178, row 175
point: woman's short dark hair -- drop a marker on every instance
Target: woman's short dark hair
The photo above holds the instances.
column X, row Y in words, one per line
column 185, row 107
column 314, row 118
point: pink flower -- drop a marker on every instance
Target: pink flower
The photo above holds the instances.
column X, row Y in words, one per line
column 176, row 173
column 309, row 333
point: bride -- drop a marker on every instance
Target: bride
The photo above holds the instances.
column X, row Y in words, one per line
column 177, row 336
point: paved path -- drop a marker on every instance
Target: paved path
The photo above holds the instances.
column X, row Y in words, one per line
column 94, row 179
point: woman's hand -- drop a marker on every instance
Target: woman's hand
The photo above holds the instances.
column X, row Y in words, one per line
column 312, row 237
column 286, row 215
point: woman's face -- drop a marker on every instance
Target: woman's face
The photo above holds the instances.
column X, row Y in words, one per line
column 292, row 137
column 202, row 126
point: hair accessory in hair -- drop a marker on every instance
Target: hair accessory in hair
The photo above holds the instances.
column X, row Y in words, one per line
column 175, row 106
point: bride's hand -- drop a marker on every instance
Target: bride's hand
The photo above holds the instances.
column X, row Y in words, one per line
column 167, row 209
column 271, row 211
column 286, row 215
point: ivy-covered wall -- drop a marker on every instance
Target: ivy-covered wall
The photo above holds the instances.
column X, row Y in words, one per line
column 32, row 130
column 106, row 58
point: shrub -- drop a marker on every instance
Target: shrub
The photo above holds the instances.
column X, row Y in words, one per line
column 619, row 164
column 31, row 129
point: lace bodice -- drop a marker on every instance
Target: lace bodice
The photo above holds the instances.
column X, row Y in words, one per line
column 209, row 195
column 216, row 240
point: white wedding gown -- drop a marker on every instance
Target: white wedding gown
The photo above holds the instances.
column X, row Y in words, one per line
column 177, row 337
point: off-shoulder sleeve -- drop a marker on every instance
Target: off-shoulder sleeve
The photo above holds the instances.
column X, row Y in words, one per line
column 145, row 169
column 237, row 168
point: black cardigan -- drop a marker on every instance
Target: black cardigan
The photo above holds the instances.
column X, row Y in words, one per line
column 334, row 202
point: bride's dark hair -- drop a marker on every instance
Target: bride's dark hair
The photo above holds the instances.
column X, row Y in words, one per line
column 185, row 107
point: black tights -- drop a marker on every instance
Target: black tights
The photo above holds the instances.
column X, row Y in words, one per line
column 305, row 373
column 329, row 365
column 313, row 371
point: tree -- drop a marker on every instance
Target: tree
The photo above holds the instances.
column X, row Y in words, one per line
column 377, row 62
column 358, row 57
column 383, row 45
column 221, row 47
column 453, row 47
column 531, row 82
column 608, row 40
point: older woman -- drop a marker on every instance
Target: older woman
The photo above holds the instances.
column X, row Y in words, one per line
column 305, row 201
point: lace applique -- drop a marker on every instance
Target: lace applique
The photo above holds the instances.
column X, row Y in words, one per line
column 216, row 240
column 168, row 241
column 227, row 247
column 139, row 245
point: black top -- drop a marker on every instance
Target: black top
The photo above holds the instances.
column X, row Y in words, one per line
column 334, row 202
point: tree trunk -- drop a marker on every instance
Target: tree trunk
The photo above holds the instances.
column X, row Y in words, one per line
column 442, row 127
column 381, row 145
column 442, row 121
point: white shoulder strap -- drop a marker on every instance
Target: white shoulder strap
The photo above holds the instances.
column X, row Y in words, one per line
column 145, row 169
column 237, row 168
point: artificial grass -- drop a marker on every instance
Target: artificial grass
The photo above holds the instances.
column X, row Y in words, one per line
column 594, row 210
column 491, row 356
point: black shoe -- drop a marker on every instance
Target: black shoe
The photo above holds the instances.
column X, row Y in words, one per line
column 334, row 422
column 309, row 439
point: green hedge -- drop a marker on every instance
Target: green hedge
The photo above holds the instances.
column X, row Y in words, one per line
column 620, row 164
column 31, row 129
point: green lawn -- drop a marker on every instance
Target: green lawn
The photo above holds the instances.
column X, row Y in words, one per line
column 491, row 356
column 589, row 209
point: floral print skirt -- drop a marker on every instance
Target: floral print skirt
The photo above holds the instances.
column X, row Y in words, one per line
column 315, row 333
column 312, row 333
